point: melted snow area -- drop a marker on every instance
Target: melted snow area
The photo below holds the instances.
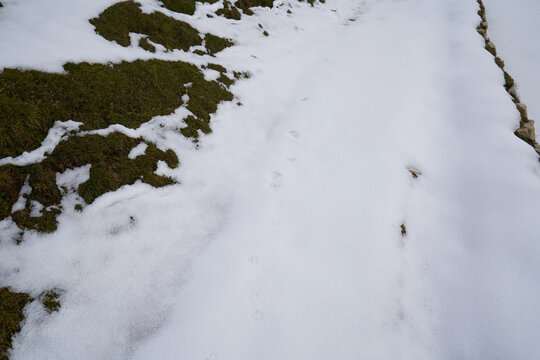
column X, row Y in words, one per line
column 283, row 240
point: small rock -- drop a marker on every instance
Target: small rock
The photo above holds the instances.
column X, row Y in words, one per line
column 522, row 108
column 483, row 32
column 513, row 91
column 414, row 172
column 491, row 47
column 526, row 131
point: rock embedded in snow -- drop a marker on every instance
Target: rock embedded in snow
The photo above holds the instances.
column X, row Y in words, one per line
column 490, row 46
column 522, row 108
column 526, row 131
column 513, row 91
column 414, row 172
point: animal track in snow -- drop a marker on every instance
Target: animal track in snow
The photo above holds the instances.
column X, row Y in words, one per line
column 275, row 179
column 293, row 133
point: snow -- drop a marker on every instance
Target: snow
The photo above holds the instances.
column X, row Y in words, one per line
column 57, row 133
column 71, row 178
column 283, row 238
column 138, row 150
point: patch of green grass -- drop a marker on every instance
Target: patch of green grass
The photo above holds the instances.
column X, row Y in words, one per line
column 11, row 315
column 50, row 301
column 143, row 42
column 111, row 168
column 229, row 11
column 181, row 6
column 117, row 21
column 199, row 52
column 215, row 44
column 241, row 75
column 97, row 95
column 184, row 6
column 246, row 5
column 11, row 180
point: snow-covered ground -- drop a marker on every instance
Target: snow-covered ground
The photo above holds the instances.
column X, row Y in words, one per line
column 514, row 27
column 283, row 240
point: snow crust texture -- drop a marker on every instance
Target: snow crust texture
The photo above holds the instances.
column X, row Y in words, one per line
column 363, row 196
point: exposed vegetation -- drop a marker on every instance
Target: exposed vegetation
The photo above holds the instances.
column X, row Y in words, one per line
column 11, row 315
column 110, row 169
column 215, row 44
column 246, row 5
column 184, row 6
column 403, row 230
column 312, row 2
column 143, row 42
column 97, row 95
column 117, row 21
column 229, row 11
column 50, row 301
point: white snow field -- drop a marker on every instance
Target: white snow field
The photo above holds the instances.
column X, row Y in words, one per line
column 283, row 240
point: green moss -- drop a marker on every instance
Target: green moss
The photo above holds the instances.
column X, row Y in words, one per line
column 117, row 21
column 11, row 315
column 143, row 42
column 1, row 5
column 50, row 301
column 215, row 44
column 199, row 52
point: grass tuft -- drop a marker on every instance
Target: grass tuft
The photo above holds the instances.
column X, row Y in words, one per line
column 50, row 301
column 11, row 315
